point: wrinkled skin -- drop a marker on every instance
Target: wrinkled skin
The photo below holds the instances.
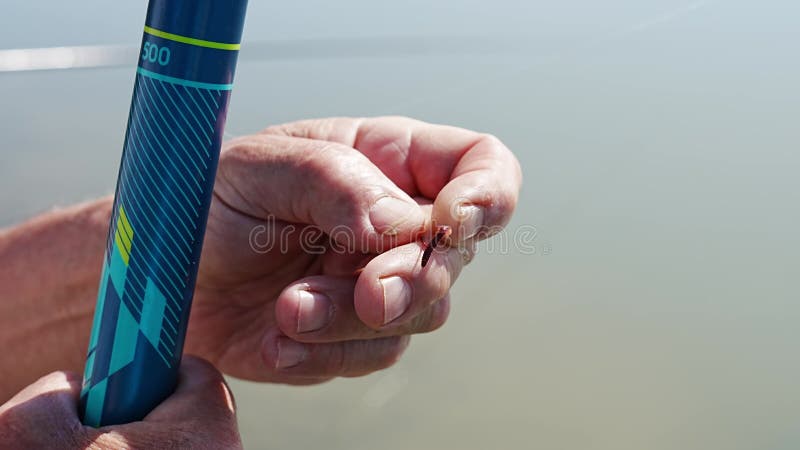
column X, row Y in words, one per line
column 199, row 415
column 296, row 315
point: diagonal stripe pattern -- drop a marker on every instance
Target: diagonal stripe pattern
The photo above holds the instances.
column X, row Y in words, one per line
column 164, row 185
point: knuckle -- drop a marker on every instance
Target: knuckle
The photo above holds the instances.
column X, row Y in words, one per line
column 333, row 163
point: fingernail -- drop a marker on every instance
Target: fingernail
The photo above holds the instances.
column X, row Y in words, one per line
column 290, row 353
column 396, row 298
column 388, row 213
column 314, row 311
column 470, row 219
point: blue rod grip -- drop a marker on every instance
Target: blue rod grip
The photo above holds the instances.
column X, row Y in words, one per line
column 164, row 187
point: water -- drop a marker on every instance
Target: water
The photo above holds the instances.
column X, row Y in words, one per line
column 659, row 142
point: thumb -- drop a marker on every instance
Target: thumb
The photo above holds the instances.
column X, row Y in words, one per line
column 202, row 402
column 329, row 185
column 44, row 414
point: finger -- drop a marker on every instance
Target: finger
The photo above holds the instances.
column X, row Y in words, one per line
column 473, row 177
column 58, row 390
column 393, row 289
column 44, row 415
column 329, row 185
column 201, row 394
column 199, row 414
column 288, row 359
column 321, row 309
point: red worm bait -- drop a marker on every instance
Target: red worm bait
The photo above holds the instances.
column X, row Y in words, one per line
column 442, row 233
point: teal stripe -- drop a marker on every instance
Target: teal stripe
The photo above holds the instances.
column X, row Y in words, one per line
column 150, row 198
column 98, row 310
column 193, row 124
column 145, row 202
column 160, row 237
column 125, row 337
column 169, row 308
column 152, row 107
column 143, row 121
column 171, row 326
column 190, row 94
column 203, row 98
column 170, row 341
column 157, row 93
column 87, row 372
column 182, row 98
column 153, row 313
column 117, row 271
column 138, row 164
column 94, row 404
column 140, row 145
column 141, row 111
column 182, row 82
column 182, row 219
column 216, row 103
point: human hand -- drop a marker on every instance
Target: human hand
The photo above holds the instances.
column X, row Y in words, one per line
column 301, row 311
column 200, row 414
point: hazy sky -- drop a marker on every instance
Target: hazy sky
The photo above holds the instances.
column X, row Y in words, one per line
column 47, row 23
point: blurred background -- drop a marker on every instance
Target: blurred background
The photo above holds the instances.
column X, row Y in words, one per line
column 646, row 294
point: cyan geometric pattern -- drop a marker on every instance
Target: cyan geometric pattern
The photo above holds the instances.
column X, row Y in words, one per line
column 168, row 164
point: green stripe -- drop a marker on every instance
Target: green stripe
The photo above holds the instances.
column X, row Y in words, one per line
column 123, row 236
column 125, row 222
column 191, row 41
column 123, row 252
column 182, row 82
